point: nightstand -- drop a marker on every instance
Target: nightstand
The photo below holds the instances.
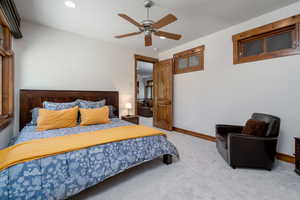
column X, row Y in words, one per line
column 297, row 155
column 131, row 118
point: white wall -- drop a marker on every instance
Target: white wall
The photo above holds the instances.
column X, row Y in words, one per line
column 227, row 93
column 52, row 59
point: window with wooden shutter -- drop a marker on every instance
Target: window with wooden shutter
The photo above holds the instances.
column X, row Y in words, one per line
column 6, row 75
column 189, row 61
column 278, row 39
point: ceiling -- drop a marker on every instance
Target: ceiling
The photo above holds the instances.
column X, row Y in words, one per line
column 144, row 68
column 98, row 18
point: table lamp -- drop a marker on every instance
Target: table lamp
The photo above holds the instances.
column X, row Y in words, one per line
column 128, row 106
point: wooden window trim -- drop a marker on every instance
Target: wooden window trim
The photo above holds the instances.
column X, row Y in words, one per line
column 197, row 51
column 4, row 122
column 7, row 101
column 264, row 31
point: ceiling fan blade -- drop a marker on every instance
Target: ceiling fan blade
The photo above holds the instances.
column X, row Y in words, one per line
column 165, row 21
column 124, row 16
column 168, row 35
column 127, row 35
column 148, row 40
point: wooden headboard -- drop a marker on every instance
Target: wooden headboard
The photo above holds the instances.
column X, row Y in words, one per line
column 30, row 99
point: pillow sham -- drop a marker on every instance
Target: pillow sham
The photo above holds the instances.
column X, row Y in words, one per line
column 55, row 119
column 34, row 116
column 90, row 104
column 255, row 128
column 111, row 111
column 94, row 116
column 59, row 106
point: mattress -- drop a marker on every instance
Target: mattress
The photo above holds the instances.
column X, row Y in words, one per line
column 64, row 175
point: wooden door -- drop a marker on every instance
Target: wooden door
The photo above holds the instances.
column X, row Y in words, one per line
column 163, row 95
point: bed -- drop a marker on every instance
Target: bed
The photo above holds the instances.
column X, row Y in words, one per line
column 64, row 175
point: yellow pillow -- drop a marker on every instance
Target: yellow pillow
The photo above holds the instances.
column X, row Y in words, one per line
column 94, row 116
column 55, row 119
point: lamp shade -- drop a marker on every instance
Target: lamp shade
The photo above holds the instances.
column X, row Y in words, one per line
column 128, row 105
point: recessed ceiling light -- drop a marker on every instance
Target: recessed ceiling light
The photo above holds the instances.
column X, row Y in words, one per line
column 162, row 37
column 70, row 4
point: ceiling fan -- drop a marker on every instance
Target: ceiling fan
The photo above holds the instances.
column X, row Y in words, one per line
column 149, row 27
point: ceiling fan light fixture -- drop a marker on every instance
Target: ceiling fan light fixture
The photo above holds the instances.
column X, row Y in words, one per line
column 148, row 32
column 70, row 4
column 162, row 37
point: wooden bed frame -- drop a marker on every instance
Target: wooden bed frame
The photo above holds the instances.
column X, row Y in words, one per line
column 30, row 99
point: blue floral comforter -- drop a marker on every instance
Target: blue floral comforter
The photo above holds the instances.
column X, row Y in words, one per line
column 64, row 175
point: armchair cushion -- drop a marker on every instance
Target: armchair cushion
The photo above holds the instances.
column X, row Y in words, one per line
column 255, row 128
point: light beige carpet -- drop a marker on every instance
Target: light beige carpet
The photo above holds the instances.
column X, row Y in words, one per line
column 200, row 174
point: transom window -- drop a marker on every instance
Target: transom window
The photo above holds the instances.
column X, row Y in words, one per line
column 273, row 40
column 189, row 60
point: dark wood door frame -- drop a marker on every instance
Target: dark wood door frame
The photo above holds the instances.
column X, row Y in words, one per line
column 136, row 59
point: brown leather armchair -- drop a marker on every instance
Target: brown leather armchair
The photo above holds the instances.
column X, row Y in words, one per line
column 241, row 150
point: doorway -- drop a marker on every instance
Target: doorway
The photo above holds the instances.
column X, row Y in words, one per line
column 154, row 97
column 144, row 88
